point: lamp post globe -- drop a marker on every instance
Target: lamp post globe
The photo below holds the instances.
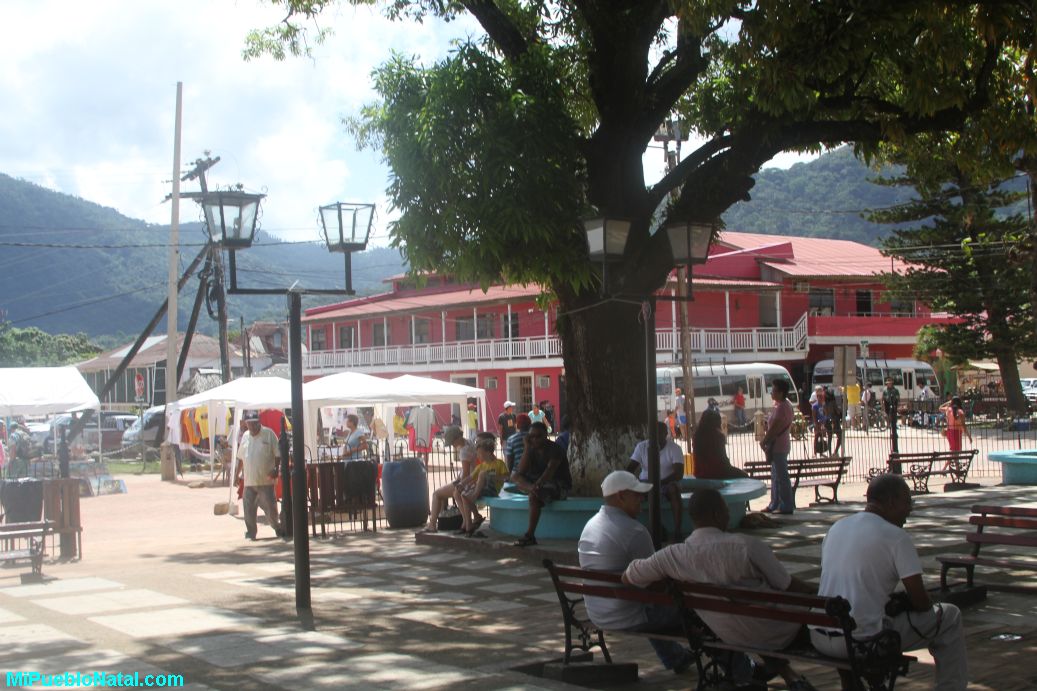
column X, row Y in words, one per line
column 231, row 216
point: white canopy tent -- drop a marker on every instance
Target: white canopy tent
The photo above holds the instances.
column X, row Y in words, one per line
column 354, row 389
column 242, row 394
column 44, row 391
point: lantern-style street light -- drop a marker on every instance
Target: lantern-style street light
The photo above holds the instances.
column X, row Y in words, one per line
column 231, row 222
column 690, row 242
column 231, row 217
column 347, row 228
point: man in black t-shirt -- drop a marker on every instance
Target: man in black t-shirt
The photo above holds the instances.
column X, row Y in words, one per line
column 506, row 423
column 543, row 474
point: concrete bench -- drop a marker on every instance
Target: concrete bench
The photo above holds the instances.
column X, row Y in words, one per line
column 564, row 519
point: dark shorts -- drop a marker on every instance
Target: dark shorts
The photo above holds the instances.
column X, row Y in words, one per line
column 549, row 491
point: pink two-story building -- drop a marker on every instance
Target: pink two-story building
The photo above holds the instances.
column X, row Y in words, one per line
column 759, row 298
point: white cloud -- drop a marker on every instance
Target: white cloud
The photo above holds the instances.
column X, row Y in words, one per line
column 89, row 90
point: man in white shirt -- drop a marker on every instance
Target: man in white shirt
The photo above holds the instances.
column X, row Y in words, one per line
column 864, row 558
column 259, row 454
column 671, row 470
column 611, row 539
column 713, row 556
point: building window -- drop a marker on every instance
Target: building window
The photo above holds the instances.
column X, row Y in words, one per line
column 512, row 325
column 822, row 302
column 463, row 330
column 422, row 331
column 864, row 303
column 378, row 333
column 319, row 339
column 276, row 339
column 347, row 337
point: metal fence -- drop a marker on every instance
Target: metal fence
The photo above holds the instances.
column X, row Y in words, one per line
column 919, row 430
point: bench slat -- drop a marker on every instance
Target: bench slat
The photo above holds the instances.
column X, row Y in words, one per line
column 1004, row 522
column 1001, row 539
column 1022, row 511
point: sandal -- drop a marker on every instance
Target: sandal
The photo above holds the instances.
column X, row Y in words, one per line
column 428, row 531
column 477, row 521
column 525, row 541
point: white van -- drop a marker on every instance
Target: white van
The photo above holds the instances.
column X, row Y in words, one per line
column 721, row 382
column 907, row 375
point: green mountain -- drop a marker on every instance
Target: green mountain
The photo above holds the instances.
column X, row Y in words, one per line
column 68, row 265
column 826, row 197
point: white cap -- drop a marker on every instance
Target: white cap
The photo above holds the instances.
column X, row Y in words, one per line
column 621, row 480
column 509, row 404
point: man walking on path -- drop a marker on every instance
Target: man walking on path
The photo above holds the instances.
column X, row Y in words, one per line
column 259, row 455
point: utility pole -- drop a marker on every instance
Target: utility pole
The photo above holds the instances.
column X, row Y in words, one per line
column 201, row 165
column 172, row 309
column 672, row 132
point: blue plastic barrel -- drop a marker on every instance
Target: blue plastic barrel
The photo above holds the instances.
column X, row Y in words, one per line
column 405, row 493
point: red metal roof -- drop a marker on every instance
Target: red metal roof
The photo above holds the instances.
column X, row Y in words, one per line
column 386, row 304
column 810, row 256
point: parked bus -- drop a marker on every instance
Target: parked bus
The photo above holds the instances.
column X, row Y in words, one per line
column 907, row 375
column 721, row 382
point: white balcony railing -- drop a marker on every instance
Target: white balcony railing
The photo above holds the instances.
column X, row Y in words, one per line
column 761, row 340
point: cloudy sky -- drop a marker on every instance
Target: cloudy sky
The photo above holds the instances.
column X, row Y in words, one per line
column 89, row 91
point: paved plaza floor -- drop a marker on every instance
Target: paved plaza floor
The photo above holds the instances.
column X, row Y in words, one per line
column 167, row 587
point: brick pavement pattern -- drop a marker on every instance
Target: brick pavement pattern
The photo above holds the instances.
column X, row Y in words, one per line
column 166, row 587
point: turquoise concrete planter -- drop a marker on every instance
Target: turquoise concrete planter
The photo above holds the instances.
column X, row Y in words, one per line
column 509, row 513
column 1017, row 467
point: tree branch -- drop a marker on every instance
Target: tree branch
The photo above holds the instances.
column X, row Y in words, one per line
column 499, row 27
column 675, row 177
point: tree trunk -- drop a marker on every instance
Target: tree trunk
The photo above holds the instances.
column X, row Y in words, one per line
column 1009, row 368
column 603, row 344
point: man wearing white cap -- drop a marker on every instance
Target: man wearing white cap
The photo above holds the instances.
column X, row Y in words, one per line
column 259, row 455
column 613, row 538
column 506, row 422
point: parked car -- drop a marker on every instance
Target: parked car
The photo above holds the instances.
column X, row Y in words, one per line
column 113, row 426
column 147, row 428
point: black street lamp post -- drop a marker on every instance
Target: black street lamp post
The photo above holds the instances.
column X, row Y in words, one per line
column 231, row 218
column 689, row 243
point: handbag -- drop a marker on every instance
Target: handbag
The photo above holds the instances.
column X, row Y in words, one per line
column 449, row 519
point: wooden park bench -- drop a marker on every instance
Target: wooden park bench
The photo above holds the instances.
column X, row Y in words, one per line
column 920, row 467
column 1018, row 520
column 25, row 542
column 875, row 664
column 817, row 472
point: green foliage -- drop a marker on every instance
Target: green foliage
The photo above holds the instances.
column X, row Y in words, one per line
column 961, row 258
column 507, row 143
column 34, row 348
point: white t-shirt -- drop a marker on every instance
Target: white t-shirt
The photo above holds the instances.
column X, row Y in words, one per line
column 710, row 555
column 259, row 453
column 669, row 455
column 863, row 558
column 610, row 540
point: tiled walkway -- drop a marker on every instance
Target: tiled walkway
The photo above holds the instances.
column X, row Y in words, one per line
column 165, row 586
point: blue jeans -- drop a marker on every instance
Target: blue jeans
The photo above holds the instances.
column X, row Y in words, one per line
column 664, row 620
column 782, row 498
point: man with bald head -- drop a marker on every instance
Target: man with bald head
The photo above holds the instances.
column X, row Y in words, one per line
column 713, row 556
column 868, row 555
